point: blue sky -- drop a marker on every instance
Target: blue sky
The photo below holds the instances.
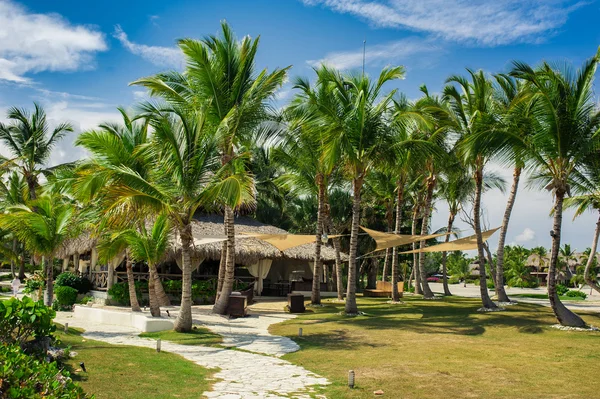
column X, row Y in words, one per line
column 78, row 60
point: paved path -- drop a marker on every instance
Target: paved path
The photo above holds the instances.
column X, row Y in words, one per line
column 591, row 304
column 242, row 375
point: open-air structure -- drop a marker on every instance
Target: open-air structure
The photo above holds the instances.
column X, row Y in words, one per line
column 273, row 272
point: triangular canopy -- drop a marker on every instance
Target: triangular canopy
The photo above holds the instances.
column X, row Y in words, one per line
column 285, row 241
column 388, row 240
column 462, row 244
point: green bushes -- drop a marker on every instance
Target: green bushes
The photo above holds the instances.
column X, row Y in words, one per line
column 576, row 294
column 453, row 280
column 119, row 292
column 65, row 297
column 68, row 279
column 24, row 319
column 25, row 377
column 561, row 289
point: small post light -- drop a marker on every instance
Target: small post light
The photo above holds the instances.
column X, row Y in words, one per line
column 351, row 379
column 158, row 345
column 324, row 238
column 66, row 327
column 300, row 332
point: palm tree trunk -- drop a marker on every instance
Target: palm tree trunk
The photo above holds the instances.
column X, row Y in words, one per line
column 12, row 261
column 502, row 296
column 564, row 316
column 351, row 307
column 427, row 293
column 315, row 296
column 447, row 292
column 399, row 205
column 490, row 261
column 49, row 279
column 410, row 278
column 222, row 263
column 337, row 246
column 22, row 265
column 413, row 231
column 183, row 323
column 388, row 252
column 221, row 304
column 133, row 300
column 591, row 281
column 161, row 295
column 485, row 297
column 154, row 306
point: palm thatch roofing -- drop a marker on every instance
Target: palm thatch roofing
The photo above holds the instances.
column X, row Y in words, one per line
column 248, row 250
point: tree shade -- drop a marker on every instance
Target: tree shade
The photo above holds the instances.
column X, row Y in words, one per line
column 462, row 244
column 387, row 240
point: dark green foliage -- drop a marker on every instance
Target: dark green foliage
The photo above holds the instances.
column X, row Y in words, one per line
column 25, row 377
column 68, row 279
column 21, row 320
column 65, row 296
column 561, row 289
column 576, row 294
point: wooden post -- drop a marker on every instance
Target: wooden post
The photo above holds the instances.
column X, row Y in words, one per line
column 76, row 262
column 65, row 264
column 111, row 270
column 93, row 261
column 158, row 345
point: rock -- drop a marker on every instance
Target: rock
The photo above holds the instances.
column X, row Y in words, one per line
column 378, row 392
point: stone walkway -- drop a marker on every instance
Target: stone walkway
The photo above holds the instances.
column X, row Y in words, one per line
column 241, row 375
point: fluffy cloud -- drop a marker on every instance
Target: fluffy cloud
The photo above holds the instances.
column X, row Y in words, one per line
column 157, row 55
column 486, row 23
column 526, row 236
column 381, row 54
column 32, row 43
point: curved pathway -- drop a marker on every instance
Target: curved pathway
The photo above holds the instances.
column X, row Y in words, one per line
column 242, row 375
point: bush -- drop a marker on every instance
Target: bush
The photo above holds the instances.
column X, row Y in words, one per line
column 561, row 289
column 86, row 299
column 68, row 279
column 433, row 279
column 119, row 292
column 24, row 319
column 453, row 280
column 66, row 297
column 576, row 294
column 35, row 284
column 25, row 377
column 490, row 284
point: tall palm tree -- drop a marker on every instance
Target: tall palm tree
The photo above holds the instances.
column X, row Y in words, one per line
column 42, row 226
column 30, row 142
column 358, row 138
column 475, row 114
column 220, row 79
column 149, row 246
column 566, row 127
column 13, row 192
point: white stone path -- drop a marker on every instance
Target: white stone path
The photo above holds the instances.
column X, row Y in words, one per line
column 242, row 375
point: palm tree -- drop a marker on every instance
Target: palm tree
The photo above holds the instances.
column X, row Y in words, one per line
column 220, row 80
column 14, row 192
column 358, row 138
column 28, row 139
column 42, row 226
column 474, row 110
column 149, row 246
column 565, row 133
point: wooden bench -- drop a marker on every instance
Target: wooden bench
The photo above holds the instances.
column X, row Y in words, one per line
column 384, row 289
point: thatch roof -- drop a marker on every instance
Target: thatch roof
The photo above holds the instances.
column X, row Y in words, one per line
column 248, row 250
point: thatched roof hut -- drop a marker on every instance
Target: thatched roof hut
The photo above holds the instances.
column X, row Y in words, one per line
column 248, row 250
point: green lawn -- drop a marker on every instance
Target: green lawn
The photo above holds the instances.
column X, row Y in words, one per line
column 545, row 296
column 446, row 349
column 198, row 336
column 128, row 372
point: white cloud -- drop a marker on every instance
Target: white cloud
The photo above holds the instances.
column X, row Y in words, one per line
column 526, row 236
column 486, row 23
column 139, row 95
column 392, row 52
column 31, row 43
column 157, row 55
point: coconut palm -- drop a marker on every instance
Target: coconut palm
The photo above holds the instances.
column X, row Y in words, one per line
column 357, row 137
column 30, row 142
column 220, row 80
column 149, row 246
column 14, row 191
column 42, row 225
column 565, row 133
column 474, row 111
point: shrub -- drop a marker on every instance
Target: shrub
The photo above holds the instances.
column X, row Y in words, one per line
column 490, row 284
column 453, row 280
column 35, row 284
column 66, row 297
column 433, row 279
column 561, row 289
column 25, row 377
column 24, row 319
column 68, row 279
column 119, row 292
column 576, row 294
column 86, row 299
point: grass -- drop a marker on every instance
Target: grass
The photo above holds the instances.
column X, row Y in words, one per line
column 545, row 296
column 198, row 336
column 128, row 372
column 445, row 348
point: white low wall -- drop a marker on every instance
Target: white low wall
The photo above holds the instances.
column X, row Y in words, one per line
column 126, row 319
